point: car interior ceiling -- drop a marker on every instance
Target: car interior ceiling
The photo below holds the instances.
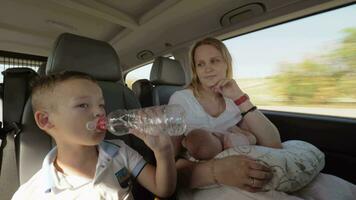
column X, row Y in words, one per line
column 26, row 145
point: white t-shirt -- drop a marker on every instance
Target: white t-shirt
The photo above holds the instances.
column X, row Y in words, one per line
column 117, row 163
column 196, row 116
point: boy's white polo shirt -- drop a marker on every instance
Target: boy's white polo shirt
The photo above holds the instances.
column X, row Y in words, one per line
column 117, row 163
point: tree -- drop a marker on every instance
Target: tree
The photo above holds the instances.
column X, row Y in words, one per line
column 321, row 80
column 346, row 53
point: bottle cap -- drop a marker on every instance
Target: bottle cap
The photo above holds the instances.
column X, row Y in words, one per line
column 101, row 124
column 97, row 124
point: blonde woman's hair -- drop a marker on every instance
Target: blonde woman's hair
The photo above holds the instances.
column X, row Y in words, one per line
column 220, row 46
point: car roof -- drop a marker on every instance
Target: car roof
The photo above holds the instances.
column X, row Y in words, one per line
column 140, row 30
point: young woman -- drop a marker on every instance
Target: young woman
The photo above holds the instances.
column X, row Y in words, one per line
column 214, row 100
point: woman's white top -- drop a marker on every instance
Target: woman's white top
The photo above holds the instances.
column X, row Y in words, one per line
column 197, row 117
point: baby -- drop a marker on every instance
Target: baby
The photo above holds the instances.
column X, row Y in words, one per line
column 293, row 166
column 203, row 144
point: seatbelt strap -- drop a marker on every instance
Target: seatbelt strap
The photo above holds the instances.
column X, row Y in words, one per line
column 9, row 178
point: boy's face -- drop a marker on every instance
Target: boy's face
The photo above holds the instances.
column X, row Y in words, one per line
column 75, row 102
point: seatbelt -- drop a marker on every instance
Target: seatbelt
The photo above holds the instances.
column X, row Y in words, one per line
column 9, row 178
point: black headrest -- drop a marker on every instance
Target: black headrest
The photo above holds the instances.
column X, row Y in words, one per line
column 18, row 71
column 16, row 91
column 141, row 85
column 42, row 69
column 77, row 53
column 166, row 71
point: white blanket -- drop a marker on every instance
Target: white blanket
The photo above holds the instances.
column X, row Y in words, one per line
column 293, row 166
column 323, row 187
column 296, row 165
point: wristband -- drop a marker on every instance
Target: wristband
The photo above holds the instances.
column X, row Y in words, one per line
column 249, row 110
column 241, row 99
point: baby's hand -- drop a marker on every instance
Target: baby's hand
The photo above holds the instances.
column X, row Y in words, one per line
column 158, row 142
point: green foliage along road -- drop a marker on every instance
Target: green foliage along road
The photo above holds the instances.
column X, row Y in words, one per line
column 329, row 78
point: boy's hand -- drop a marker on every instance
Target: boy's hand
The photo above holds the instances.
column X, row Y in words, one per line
column 161, row 180
column 158, row 142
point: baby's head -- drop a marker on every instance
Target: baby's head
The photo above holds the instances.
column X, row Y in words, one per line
column 202, row 144
column 62, row 105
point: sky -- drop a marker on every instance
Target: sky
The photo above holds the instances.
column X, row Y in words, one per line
column 258, row 54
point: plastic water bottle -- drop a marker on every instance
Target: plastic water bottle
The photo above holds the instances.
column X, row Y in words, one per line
column 168, row 119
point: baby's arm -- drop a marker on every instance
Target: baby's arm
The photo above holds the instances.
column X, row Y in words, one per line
column 251, row 138
column 161, row 180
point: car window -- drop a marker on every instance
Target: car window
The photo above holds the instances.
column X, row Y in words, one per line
column 305, row 66
column 11, row 60
column 139, row 73
column 142, row 72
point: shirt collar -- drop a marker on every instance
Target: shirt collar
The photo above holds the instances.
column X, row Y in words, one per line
column 106, row 149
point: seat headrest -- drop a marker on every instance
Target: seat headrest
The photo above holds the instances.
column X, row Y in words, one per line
column 141, row 86
column 77, row 53
column 166, row 71
column 19, row 71
column 42, row 69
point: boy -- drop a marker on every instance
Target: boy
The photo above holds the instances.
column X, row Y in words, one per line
column 82, row 166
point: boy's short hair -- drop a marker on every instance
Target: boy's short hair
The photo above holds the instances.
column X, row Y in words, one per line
column 41, row 86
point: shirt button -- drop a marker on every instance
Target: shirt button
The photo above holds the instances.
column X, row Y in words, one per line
column 102, row 166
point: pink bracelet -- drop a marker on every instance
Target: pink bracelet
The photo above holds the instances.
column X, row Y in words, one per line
column 241, row 99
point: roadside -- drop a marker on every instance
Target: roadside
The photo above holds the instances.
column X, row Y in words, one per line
column 339, row 112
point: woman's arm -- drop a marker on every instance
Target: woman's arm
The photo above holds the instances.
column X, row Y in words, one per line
column 193, row 175
column 256, row 122
column 237, row 171
column 266, row 132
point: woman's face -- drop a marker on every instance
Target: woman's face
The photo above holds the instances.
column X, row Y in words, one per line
column 210, row 65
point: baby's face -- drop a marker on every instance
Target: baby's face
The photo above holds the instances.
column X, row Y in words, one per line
column 76, row 102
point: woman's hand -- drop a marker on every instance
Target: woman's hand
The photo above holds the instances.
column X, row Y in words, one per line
column 242, row 172
column 228, row 88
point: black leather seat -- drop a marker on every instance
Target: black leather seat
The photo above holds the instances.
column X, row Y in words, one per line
column 42, row 69
column 143, row 90
column 16, row 90
column 166, row 77
column 15, row 93
column 100, row 60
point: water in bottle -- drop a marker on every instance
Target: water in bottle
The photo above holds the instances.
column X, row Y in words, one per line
column 169, row 119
